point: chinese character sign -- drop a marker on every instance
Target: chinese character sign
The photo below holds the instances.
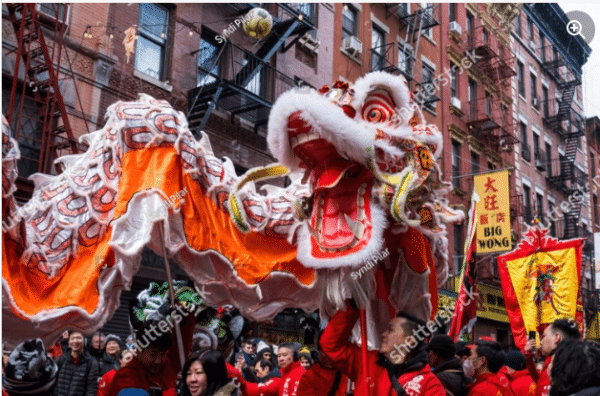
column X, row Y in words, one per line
column 493, row 209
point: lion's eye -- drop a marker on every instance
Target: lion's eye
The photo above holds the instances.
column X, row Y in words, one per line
column 375, row 115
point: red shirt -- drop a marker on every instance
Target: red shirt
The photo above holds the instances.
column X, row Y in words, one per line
column 540, row 377
column 271, row 387
column 290, row 379
column 488, row 384
column 318, row 381
column 105, row 383
column 522, row 384
column 347, row 358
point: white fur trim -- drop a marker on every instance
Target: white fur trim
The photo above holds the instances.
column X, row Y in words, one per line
column 380, row 223
column 327, row 119
column 396, row 85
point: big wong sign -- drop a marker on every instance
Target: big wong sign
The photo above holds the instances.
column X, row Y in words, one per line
column 493, row 210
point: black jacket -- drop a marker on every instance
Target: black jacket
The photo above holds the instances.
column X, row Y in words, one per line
column 450, row 373
column 76, row 380
column 107, row 363
column 589, row 392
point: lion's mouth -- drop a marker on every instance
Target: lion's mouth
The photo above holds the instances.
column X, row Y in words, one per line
column 340, row 223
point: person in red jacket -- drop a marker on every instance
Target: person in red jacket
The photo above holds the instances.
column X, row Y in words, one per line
column 322, row 379
column 487, row 359
column 400, row 358
column 291, row 369
column 516, row 373
column 559, row 330
column 106, row 381
column 158, row 363
column 269, row 381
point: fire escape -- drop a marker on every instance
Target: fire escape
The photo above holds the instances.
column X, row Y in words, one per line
column 36, row 109
column 563, row 120
column 489, row 119
column 400, row 58
column 245, row 83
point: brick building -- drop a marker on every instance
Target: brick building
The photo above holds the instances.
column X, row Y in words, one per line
column 590, row 279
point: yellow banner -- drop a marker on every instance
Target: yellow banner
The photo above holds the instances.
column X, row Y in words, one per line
column 493, row 211
column 491, row 304
column 547, row 279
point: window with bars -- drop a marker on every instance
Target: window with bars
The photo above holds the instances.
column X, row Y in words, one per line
column 153, row 35
column 54, row 10
column 349, row 21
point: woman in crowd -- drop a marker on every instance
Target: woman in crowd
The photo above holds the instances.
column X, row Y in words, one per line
column 305, row 359
column 205, row 374
column 575, row 369
column 111, row 355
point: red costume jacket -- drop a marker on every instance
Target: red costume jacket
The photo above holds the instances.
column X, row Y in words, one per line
column 522, row 384
column 134, row 375
column 347, row 358
column 540, row 377
column 488, row 385
column 270, row 388
column 290, row 379
column 318, row 381
column 106, row 382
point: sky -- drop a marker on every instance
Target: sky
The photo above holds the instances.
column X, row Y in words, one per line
column 591, row 70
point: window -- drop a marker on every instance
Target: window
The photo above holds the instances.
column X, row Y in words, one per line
column 518, row 26
column 592, row 165
column 453, row 81
column 534, row 98
column 153, row 33
column 539, row 206
column 530, row 25
column 470, row 22
column 208, row 66
column 548, row 156
column 595, row 203
column 488, row 104
column 458, row 248
column 485, row 36
column 455, row 164
column 404, row 58
column 523, row 132
column 256, row 84
column 428, row 86
column 51, row 9
column 552, row 222
column 542, row 47
column 474, row 162
column 377, row 49
column 545, row 100
column 428, row 10
column 349, row 21
column 536, row 146
column 308, row 10
column 473, row 98
column 527, row 203
column 452, row 11
column 491, row 166
column 521, row 78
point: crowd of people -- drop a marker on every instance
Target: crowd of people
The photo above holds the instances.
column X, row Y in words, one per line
column 562, row 365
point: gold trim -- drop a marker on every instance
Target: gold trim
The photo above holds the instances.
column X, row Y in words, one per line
column 457, row 134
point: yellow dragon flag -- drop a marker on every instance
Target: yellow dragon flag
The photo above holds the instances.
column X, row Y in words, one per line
column 540, row 282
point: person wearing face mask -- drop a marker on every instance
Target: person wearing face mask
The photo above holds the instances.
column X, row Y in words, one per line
column 484, row 363
column 558, row 331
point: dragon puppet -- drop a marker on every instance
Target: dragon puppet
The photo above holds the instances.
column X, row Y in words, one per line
column 364, row 216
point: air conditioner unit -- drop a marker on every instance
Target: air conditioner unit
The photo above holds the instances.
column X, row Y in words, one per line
column 309, row 42
column 352, row 45
column 540, row 164
column 535, row 102
column 455, row 27
column 455, row 102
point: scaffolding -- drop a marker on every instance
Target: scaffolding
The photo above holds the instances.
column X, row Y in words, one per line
column 240, row 85
column 36, row 108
